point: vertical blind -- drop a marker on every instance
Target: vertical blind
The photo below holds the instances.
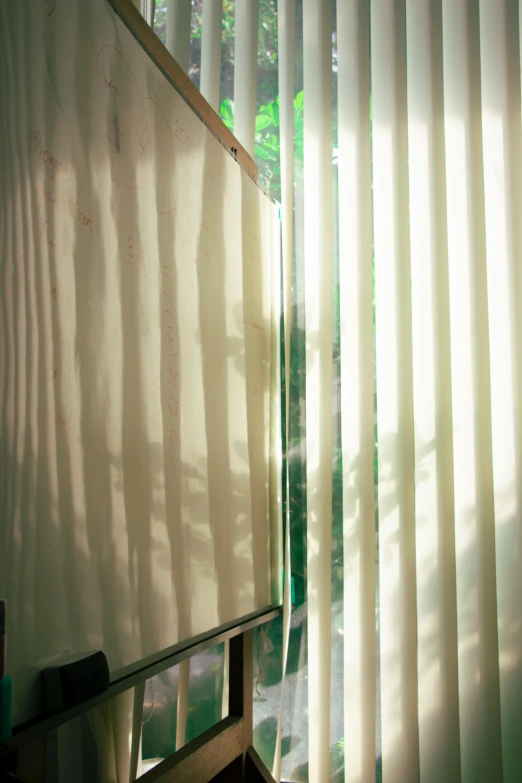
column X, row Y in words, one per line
column 429, row 163
column 393, row 346
column 245, row 72
column 355, row 283
column 317, row 81
column 286, row 36
column 211, row 51
column 178, row 31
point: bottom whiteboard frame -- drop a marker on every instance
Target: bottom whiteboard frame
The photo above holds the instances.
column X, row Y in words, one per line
column 134, row 674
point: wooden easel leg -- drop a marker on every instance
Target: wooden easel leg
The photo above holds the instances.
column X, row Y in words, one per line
column 256, row 771
column 241, row 687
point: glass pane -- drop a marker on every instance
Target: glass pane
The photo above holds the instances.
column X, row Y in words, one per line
column 205, row 696
column 205, row 707
column 159, row 717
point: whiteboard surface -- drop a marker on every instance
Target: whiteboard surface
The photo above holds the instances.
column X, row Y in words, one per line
column 136, row 336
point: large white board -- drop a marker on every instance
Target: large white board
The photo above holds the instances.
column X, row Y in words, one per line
column 137, row 344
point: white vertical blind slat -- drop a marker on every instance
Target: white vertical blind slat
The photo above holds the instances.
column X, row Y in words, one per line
column 317, row 78
column 502, row 155
column 245, row 72
column 148, row 9
column 397, row 561
column 355, row 270
column 211, row 51
column 434, row 509
column 286, row 53
column 474, row 514
column 178, row 31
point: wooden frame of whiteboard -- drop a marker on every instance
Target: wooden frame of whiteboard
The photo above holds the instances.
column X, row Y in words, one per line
column 163, row 60
column 221, row 754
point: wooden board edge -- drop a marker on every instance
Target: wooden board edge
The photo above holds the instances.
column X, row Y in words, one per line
column 162, row 58
column 26, row 733
column 203, row 758
column 256, row 769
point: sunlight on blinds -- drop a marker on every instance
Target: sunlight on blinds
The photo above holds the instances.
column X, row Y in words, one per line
column 428, row 143
column 474, row 545
column 502, row 155
column 245, row 72
column 436, row 589
column 394, row 395
column 355, row 270
column 317, row 47
column 211, row 51
column 178, row 31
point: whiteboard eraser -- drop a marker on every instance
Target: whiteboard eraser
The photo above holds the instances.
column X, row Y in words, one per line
column 75, row 680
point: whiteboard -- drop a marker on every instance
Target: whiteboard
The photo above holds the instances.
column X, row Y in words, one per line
column 138, row 354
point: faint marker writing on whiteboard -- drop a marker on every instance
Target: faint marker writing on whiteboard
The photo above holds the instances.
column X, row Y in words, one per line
column 169, row 333
column 79, row 216
column 124, row 94
column 73, row 209
column 49, row 7
column 142, row 261
column 47, row 234
column 116, row 132
column 253, row 324
column 165, row 283
column 43, row 154
column 114, row 90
